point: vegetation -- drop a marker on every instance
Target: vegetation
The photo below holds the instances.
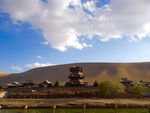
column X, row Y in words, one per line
column 111, row 89
column 95, row 84
column 139, row 89
column 105, row 89
column 57, row 84
column 67, row 84
column 41, row 85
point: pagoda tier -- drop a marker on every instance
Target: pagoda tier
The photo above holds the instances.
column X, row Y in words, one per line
column 77, row 83
column 76, row 76
column 76, row 69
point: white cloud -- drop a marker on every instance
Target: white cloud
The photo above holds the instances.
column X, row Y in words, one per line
column 39, row 57
column 90, row 5
column 45, row 43
column 63, row 27
column 37, row 64
column 16, row 68
column 87, row 45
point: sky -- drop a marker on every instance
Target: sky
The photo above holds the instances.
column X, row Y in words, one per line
column 37, row 33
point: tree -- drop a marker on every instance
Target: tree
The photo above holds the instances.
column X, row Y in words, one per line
column 41, row 85
column 67, row 84
column 139, row 89
column 111, row 88
column 57, row 84
column 95, row 84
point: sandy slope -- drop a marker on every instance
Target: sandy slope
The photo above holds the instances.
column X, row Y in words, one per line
column 2, row 74
column 93, row 71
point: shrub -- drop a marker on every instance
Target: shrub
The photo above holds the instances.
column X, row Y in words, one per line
column 139, row 89
column 41, row 85
column 57, row 84
column 95, row 84
column 111, row 89
column 67, row 84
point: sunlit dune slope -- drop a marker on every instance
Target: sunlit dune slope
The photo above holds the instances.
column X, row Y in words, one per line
column 93, row 71
column 2, row 74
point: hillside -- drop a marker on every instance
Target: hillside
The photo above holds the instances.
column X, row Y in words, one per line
column 2, row 74
column 93, row 71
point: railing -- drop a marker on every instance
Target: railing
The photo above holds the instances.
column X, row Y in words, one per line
column 84, row 107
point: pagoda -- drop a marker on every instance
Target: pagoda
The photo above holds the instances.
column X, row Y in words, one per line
column 77, row 76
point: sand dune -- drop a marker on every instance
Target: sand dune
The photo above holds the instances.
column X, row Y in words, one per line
column 2, row 74
column 93, row 71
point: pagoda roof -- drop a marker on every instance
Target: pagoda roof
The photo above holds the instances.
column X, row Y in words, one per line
column 48, row 82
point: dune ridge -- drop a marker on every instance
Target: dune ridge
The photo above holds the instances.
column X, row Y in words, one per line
column 2, row 74
column 93, row 71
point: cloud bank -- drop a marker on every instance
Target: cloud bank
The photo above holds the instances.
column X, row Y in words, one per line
column 17, row 68
column 31, row 66
column 65, row 22
column 37, row 64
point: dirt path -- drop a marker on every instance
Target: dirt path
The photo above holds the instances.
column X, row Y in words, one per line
column 9, row 103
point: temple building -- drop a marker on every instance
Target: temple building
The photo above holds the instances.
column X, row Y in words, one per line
column 47, row 83
column 77, row 76
column 126, row 82
column 144, row 83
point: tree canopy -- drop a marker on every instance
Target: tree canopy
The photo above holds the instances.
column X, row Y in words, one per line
column 111, row 88
column 57, row 84
column 139, row 89
column 95, row 84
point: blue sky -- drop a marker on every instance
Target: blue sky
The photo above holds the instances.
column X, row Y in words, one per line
column 30, row 38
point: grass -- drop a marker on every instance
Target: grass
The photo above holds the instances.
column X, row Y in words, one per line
column 70, row 110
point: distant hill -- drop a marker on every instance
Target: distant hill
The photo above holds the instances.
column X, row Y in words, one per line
column 2, row 74
column 93, row 71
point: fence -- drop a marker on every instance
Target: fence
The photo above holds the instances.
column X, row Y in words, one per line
column 84, row 107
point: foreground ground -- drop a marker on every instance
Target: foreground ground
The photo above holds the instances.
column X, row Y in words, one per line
column 74, row 102
column 70, row 110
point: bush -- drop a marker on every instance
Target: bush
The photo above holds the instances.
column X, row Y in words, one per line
column 57, row 84
column 67, row 84
column 41, row 85
column 139, row 89
column 95, row 84
column 111, row 89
